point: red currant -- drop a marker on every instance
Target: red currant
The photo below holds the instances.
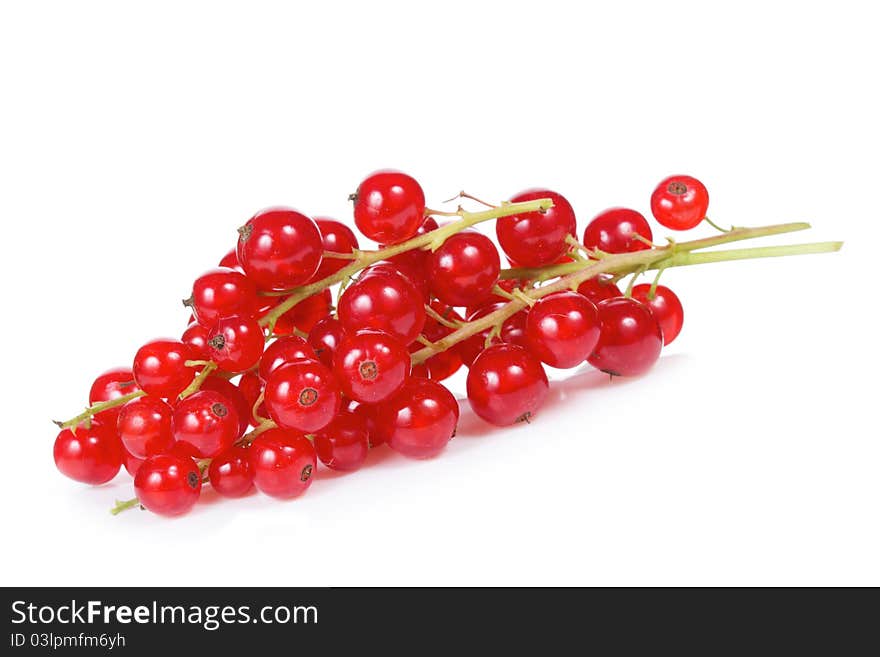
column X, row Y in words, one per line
column 251, row 387
column 196, row 336
column 409, row 270
column 131, row 462
column 386, row 302
column 282, row 351
column 236, row 343
column 234, row 396
column 111, row 385
column 464, row 268
column 279, row 248
column 230, row 260
column 534, row 239
column 343, row 444
column 445, row 363
column 367, row 414
column 629, row 339
column 680, row 202
column 599, row 288
column 206, row 421
column 160, row 369
column 513, row 330
column 144, row 426
column 507, row 284
column 302, row 395
column 325, row 338
column 220, row 293
column 230, row 472
column 282, row 462
column 304, row 315
column 666, row 308
column 562, row 329
column 371, row 366
column 389, row 207
column 91, row 455
column 168, row 484
column 612, row 231
column 420, row 419
column 506, row 384
column 336, row 238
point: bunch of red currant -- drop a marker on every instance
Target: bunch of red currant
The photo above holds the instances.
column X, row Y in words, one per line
column 266, row 349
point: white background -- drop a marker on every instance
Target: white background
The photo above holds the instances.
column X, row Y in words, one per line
column 133, row 142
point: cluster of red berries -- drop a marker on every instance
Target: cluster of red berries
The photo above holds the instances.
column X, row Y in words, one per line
column 323, row 385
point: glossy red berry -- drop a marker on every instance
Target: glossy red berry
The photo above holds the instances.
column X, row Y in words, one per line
column 367, row 415
column 230, row 472
column 385, row 302
column 445, row 363
column 389, row 207
column 222, row 292
column 91, row 455
column 282, row 351
column 236, row 343
column 464, row 268
column 111, row 385
column 160, row 369
column 512, row 331
column 304, row 315
column 371, row 366
column 630, row 339
column 283, row 463
column 302, row 395
column 534, row 239
column 415, row 274
column 131, row 462
column 343, row 444
column 236, row 398
column 144, row 426
column 612, row 231
column 251, row 387
column 508, row 285
column 599, row 288
column 336, row 238
column 562, row 329
column 506, row 384
column 279, row 248
column 206, row 421
column 196, row 336
column 665, row 306
column 230, row 260
column 420, row 420
column 680, row 202
column 325, row 338
column 167, row 484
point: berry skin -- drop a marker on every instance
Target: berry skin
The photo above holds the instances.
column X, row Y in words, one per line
column 444, row 364
column 599, row 288
column 562, row 329
column 90, row 456
column 612, row 231
column 196, row 336
column 144, row 426
column 680, row 202
column 666, row 308
column 464, row 268
column 336, row 237
column 512, row 331
column 251, row 387
column 389, row 207
column 283, row 463
column 234, row 396
column 371, row 366
column 231, row 474
column 535, row 239
column 207, row 422
column 220, row 293
column 111, row 385
column 230, row 261
column 367, row 415
column 343, row 444
column 282, row 351
column 506, row 384
column 420, row 420
column 131, row 462
column 386, row 302
column 302, row 395
column 630, row 339
column 167, row 484
column 236, row 343
column 325, row 338
column 279, row 248
column 305, row 314
column 508, row 285
column 159, row 368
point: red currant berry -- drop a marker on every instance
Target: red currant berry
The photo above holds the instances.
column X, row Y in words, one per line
column 599, row 288
column 168, row 484
column 389, row 207
column 367, row 414
column 160, row 369
column 513, row 330
column 251, row 387
column 506, row 384
column 230, row 472
column 666, row 308
column 207, row 421
column 111, row 385
column 507, row 285
column 336, row 238
column 535, row 239
column 283, row 463
column 236, row 343
column 420, row 420
column 562, row 329
column 279, row 248
column 325, row 338
column 629, row 339
column 343, row 444
column 302, row 395
column 304, row 315
column 131, row 462
column 144, row 426
column 234, row 395
column 220, row 293
column 407, row 269
column 196, row 336
column 464, row 268
column 385, row 302
column 91, row 455
column 371, row 366
column 612, row 231
column 443, row 364
column 680, row 202
column 230, row 261
column 282, row 351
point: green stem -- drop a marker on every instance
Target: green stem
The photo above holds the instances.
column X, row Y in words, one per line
column 197, row 382
column 94, row 409
column 122, row 506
